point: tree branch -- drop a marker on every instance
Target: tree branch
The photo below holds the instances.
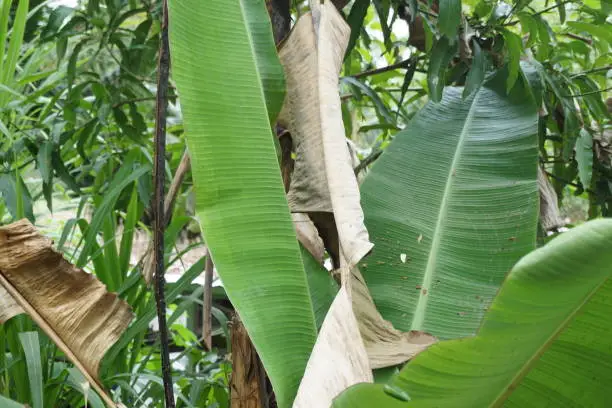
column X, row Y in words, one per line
column 159, row 219
column 367, row 161
column 399, row 65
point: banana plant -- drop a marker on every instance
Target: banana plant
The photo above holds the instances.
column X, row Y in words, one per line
column 545, row 340
column 451, row 207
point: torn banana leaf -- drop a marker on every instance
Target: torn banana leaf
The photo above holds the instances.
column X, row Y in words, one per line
column 71, row 306
column 323, row 180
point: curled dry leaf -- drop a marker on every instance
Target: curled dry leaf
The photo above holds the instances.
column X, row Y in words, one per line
column 8, row 307
column 385, row 345
column 323, row 179
column 308, row 236
column 71, row 306
column 338, row 360
column 550, row 216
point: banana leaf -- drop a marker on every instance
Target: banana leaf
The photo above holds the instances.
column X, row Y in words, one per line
column 224, row 68
column 546, row 341
column 451, row 205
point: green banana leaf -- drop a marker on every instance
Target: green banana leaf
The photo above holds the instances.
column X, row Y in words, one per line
column 450, row 206
column 219, row 66
column 546, row 341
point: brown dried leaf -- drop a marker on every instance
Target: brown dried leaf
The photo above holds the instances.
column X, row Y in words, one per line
column 323, row 179
column 338, row 360
column 71, row 306
column 385, row 345
column 550, row 216
column 8, row 307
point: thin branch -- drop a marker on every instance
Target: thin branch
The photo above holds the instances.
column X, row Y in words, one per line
column 207, row 307
column 546, row 10
column 569, row 183
column 367, row 161
column 588, row 93
column 135, row 100
column 175, row 186
column 159, row 218
column 578, row 37
column 399, row 65
column 557, row 5
column 593, row 71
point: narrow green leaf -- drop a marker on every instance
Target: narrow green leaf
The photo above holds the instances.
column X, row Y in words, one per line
column 4, row 17
column 126, row 175
column 602, row 33
column 31, row 350
column 461, row 168
column 43, row 159
column 240, row 201
column 355, row 21
column 477, row 71
column 379, row 105
column 449, row 17
column 544, row 33
column 514, row 46
column 561, row 8
column 72, row 62
column 441, row 55
column 56, row 19
column 63, row 173
column 529, row 26
column 407, row 81
column 584, row 157
column 382, row 9
column 545, row 340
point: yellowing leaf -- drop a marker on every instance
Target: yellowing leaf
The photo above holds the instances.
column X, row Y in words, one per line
column 323, row 179
column 71, row 306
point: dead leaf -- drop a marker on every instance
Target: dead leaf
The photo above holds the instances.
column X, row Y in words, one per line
column 323, row 179
column 385, row 345
column 8, row 307
column 71, row 306
column 308, row 236
column 338, row 360
column 550, row 217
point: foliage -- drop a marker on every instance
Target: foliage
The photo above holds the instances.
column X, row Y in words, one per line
column 449, row 94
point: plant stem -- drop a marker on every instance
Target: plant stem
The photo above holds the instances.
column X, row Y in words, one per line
column 207, row 307
column 159, row 218
column 367, row 161
column 402, row 64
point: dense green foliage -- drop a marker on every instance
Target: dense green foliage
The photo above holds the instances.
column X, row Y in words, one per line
column 462, row 97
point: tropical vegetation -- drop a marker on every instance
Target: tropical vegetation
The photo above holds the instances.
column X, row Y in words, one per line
column 400, row 202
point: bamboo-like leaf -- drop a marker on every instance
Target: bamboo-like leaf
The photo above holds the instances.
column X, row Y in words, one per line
column 240, row 200
column 477, row 72
column 584, row 157
column 31, row 350
column 441, row 56
column 323, row 179
column 449, row 17
column 7, row 71
column 544, row 342
column 452, row 205
column 72, row 307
